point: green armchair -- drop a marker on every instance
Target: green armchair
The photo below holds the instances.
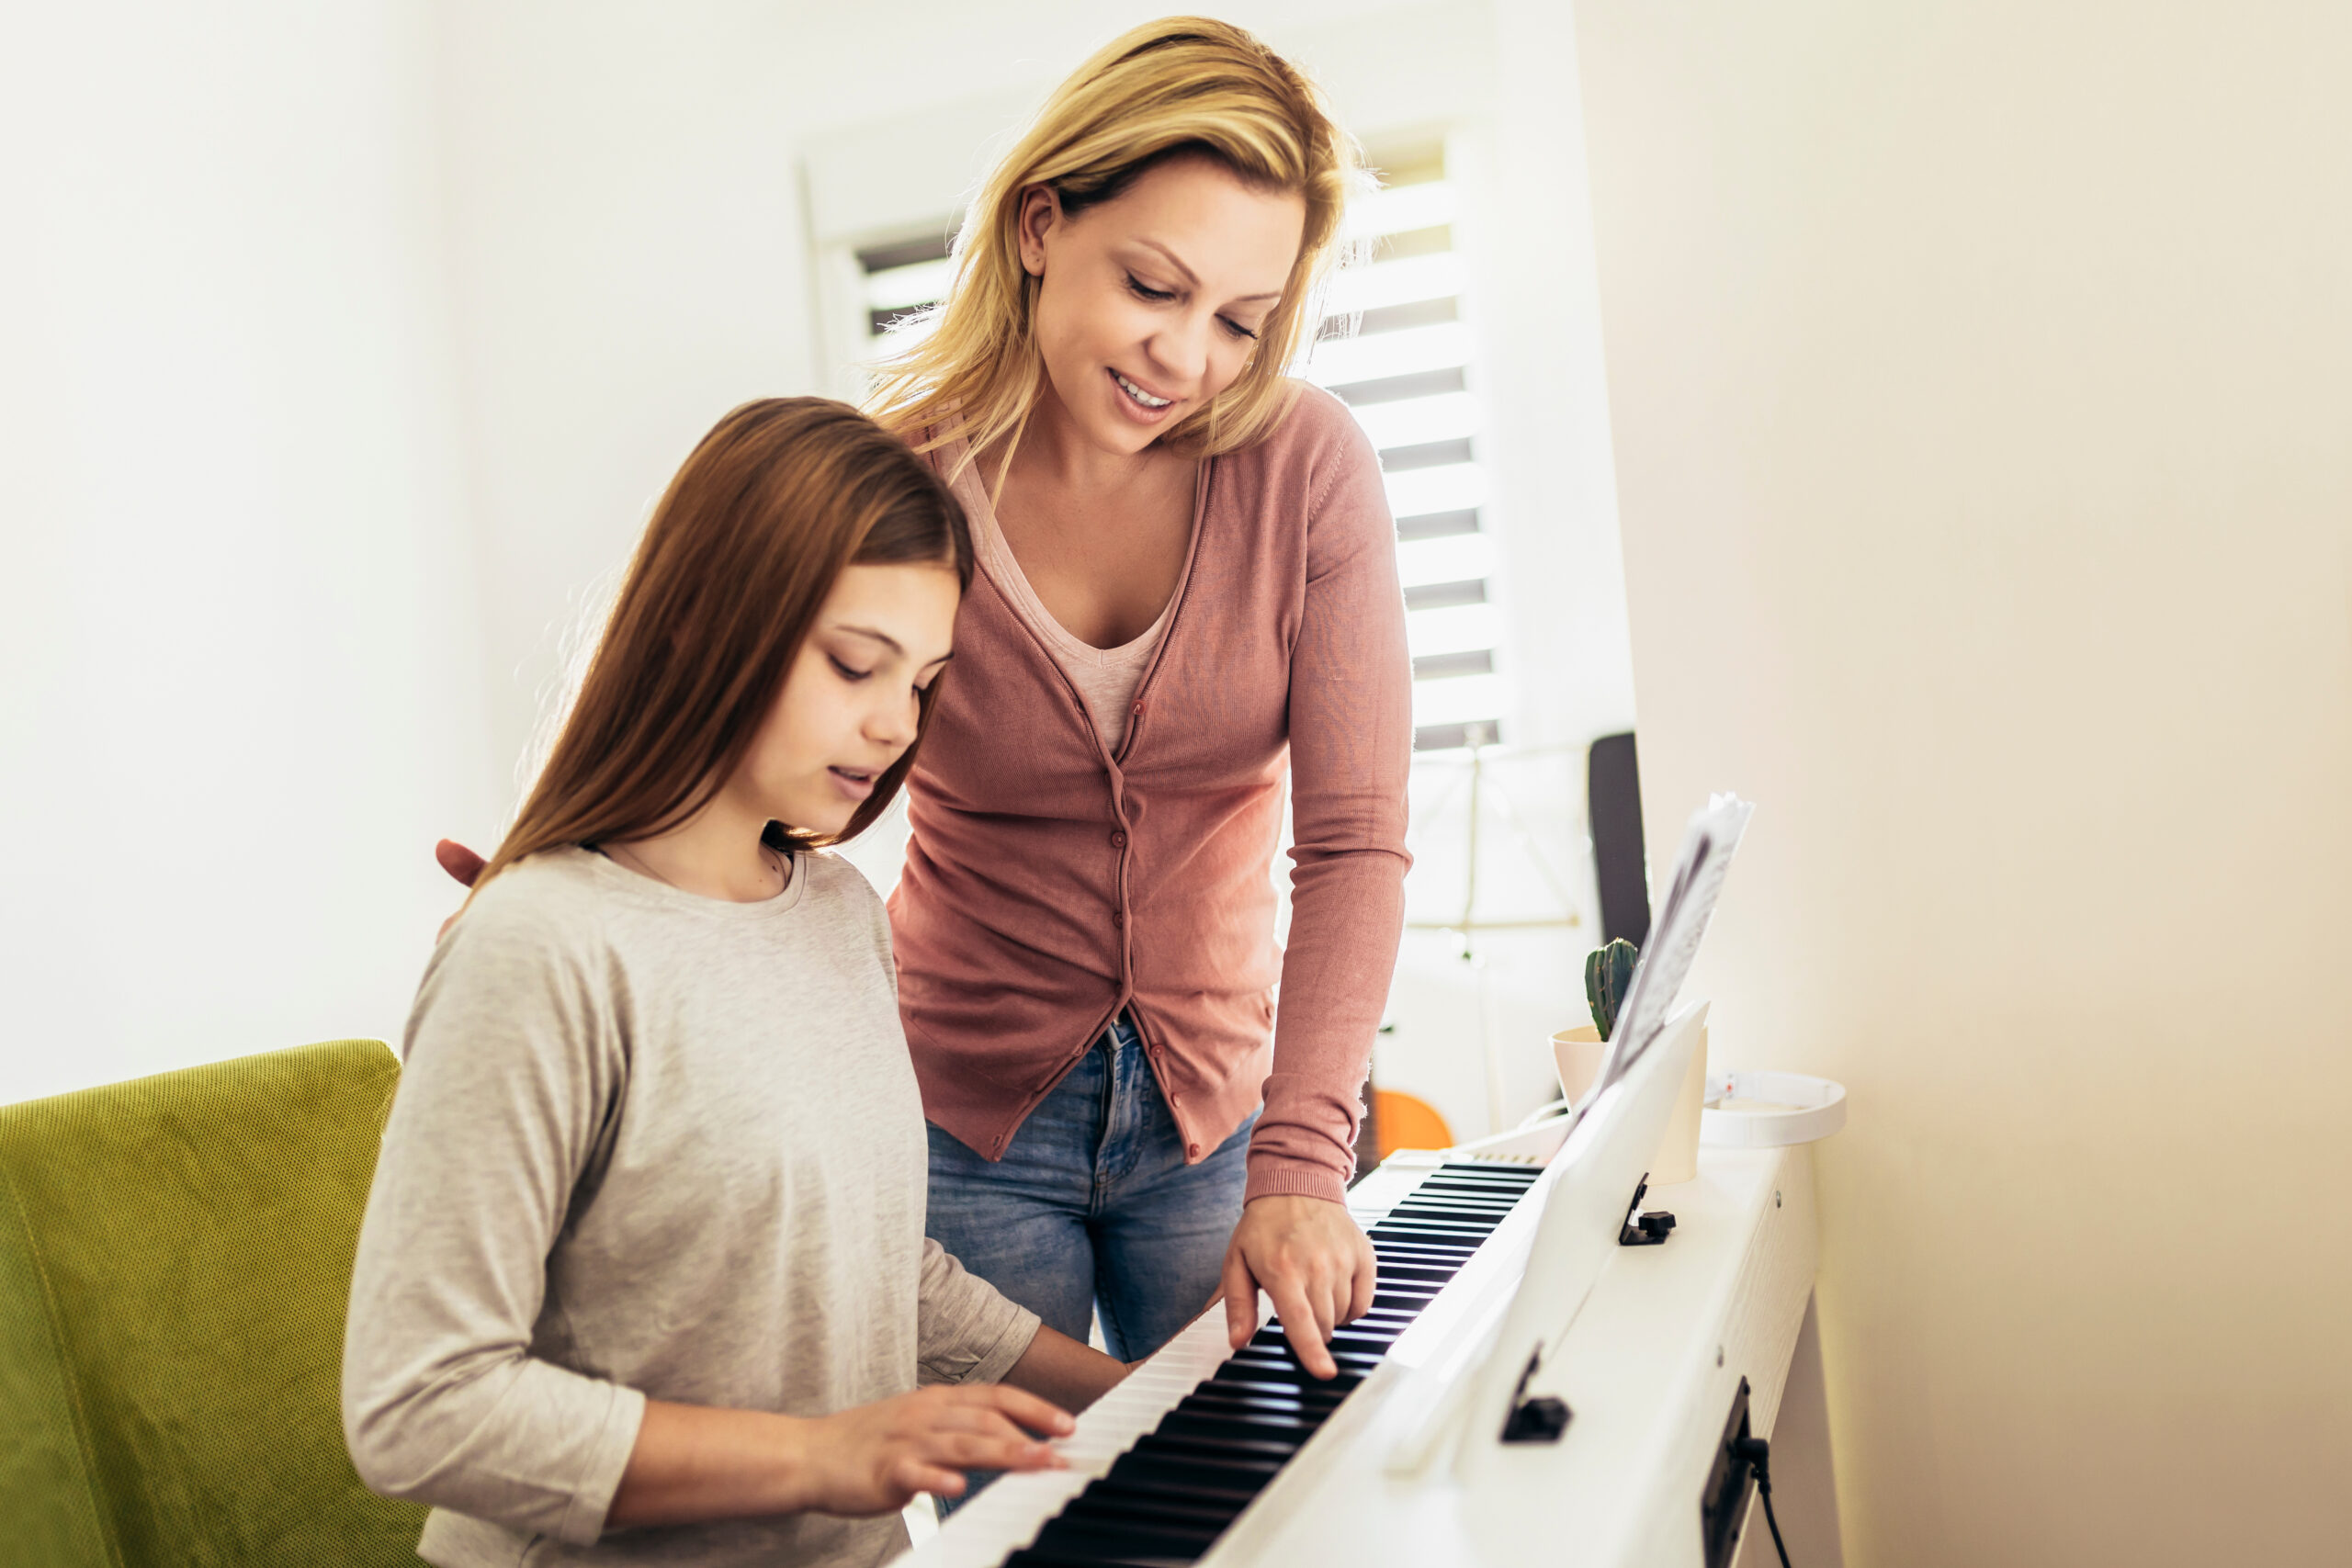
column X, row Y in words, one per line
column 174, row 1262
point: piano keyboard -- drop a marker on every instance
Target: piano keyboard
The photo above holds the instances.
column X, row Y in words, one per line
column 1162, row 1464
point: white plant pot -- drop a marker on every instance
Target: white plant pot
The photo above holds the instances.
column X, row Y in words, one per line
column 1576, row 1054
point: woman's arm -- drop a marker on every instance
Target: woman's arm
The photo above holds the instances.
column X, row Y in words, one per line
column 1351, row 715
column 692, row 1464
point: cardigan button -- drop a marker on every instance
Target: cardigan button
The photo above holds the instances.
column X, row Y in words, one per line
column 1193, row 1150
column 1118, row 841
column 1118, row 917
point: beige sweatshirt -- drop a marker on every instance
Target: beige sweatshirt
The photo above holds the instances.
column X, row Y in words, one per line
column 646, row 1144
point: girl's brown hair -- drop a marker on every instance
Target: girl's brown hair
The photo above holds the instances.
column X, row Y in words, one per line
column 740, row 552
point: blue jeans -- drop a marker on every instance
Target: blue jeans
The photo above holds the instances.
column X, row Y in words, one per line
column 1093, row 1205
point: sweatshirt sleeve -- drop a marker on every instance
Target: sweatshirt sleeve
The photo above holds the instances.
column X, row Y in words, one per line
column 966, row 1331
column 1350, row 745
column 513, row 1067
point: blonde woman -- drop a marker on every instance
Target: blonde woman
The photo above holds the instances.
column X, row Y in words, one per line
column 1187, row 591
column 1186, row 596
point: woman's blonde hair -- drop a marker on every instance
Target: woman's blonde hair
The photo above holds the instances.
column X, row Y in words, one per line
column 1182, row 85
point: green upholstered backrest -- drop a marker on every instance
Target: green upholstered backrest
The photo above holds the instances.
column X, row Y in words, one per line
column 174, row 1262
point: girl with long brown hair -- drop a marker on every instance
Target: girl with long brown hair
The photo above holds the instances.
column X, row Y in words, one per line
column 643, row 1275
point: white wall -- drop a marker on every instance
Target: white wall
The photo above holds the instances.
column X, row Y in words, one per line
column 1978, row 381
column 237, row 616
column 423, row 308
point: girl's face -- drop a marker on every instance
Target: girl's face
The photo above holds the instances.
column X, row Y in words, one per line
column 1149, row 305
column 849, row 704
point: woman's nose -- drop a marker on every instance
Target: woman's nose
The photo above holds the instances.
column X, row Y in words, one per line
column 1184, row 349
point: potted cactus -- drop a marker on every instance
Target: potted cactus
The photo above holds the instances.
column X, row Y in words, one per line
column 1577, row 1053
column 1608, row 975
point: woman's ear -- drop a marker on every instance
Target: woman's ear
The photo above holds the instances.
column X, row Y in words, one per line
column 1040, row 210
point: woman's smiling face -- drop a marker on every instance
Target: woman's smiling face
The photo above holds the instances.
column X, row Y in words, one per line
column 1148, row 304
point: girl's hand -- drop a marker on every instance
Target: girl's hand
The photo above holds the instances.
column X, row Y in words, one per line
column 873, row 1459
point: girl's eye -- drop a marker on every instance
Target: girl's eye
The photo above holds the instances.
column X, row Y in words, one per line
column 1155, row 295
column 1237, row 329
column 845, row 673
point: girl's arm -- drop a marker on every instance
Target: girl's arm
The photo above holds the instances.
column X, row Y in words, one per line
column 692, row 1464
column 511, row 1064
column 1058, row 1368
column 968, row 1334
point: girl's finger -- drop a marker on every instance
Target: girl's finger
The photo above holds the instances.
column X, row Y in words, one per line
column 917, row 1476
column 1028, row 1409
column 966, row 1452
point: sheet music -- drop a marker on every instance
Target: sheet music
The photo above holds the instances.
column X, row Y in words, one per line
column 1708, row 844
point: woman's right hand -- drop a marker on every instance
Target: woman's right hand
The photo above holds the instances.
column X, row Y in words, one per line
column 873, row 1459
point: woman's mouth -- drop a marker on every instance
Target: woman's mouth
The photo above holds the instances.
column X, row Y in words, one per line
column 1143, row 405
column 853, row 782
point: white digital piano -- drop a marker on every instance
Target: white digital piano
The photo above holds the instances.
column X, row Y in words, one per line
column 1541, row 1379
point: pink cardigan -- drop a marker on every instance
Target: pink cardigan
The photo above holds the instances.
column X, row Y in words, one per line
column 1049, row 884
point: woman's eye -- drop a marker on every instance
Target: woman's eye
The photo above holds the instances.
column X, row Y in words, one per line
column 845, row 673
column 1237, row 329
column 1142, row 292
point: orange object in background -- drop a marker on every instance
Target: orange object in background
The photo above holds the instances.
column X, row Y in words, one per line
column 1409, row 1122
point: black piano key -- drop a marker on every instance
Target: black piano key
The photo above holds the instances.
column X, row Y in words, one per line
column 1179, row 1445
column 1431, row 1228
column 1482, row 1184
column 1268, row 1397
column 1415, row 1237
column 1284, row 1370
column 1168, row 1461
column 1344, row 1342
column 1404, row 1246
column 1249, row 1379
column 1485, row 1205
column 1281, row 1355
column 1392, row 1297
column 1397, row 1251
column 1035, row 1557
column 1111, row 1502
column 1459, row 1208
column 1189, row 1480
column 1475, row 1215
column 1217, row 1428
column 1123, row 1545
